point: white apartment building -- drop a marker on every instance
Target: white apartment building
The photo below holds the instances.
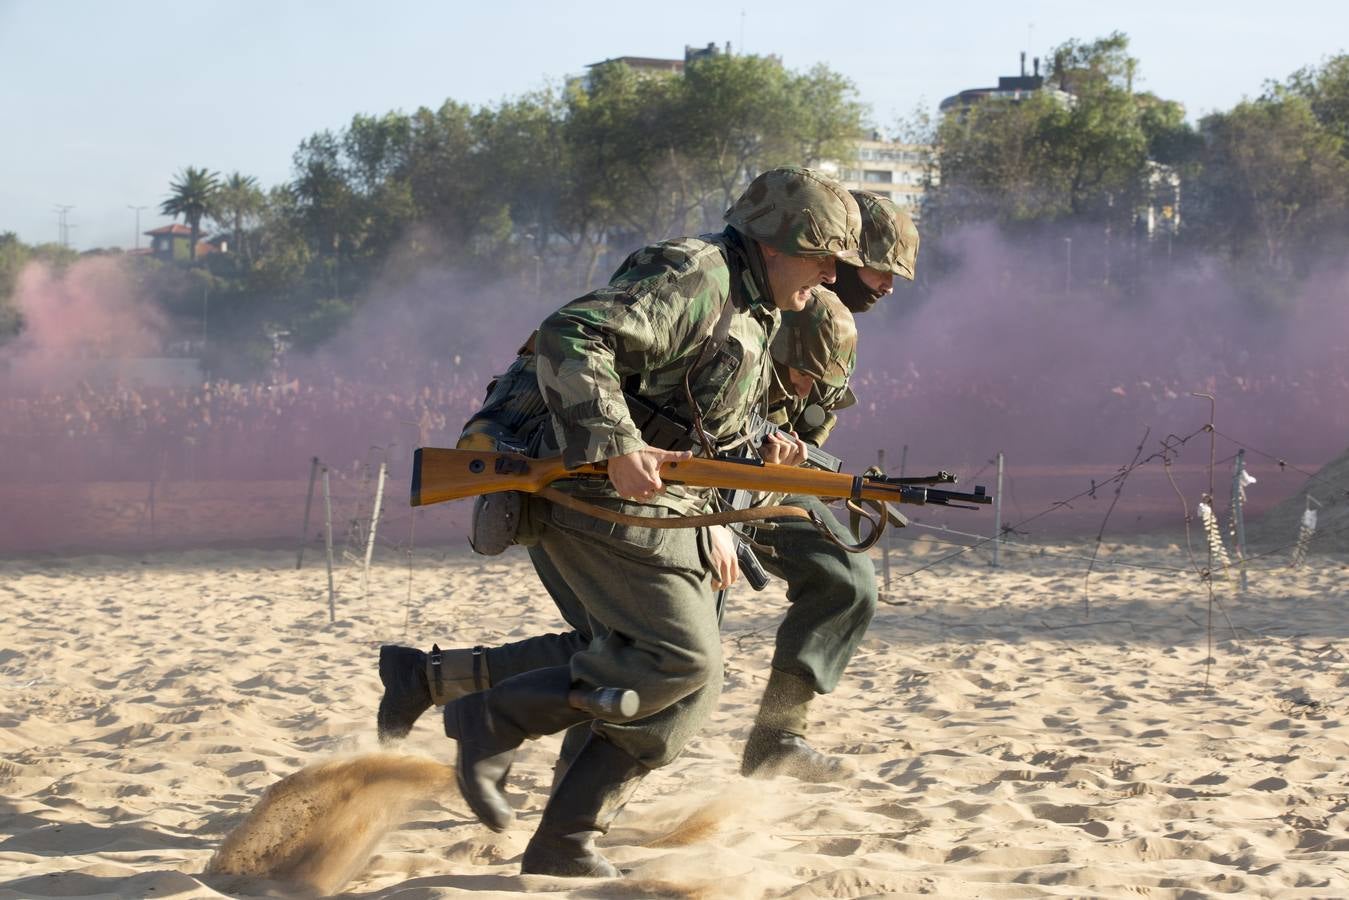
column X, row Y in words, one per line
column 895, row 171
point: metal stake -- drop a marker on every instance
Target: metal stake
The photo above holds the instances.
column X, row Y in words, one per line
column 1238, row 514
column 885, row 535
column 308, row 502
column 997, row 513
column 374, row 522
column 328, row 540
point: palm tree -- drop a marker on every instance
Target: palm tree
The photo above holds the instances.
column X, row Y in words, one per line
column 192, row 196
column 238, row 200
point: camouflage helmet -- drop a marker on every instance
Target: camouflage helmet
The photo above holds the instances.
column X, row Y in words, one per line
column 799, row 212
column 889, row 238
column 820, row 340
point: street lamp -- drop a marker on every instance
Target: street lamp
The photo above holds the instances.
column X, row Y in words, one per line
column 137, row 236
column 1067, row 265
column 63, row 225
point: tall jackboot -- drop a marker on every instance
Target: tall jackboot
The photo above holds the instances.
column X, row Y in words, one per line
column 572, row 742
column 596, row 785
column 415, row 681
column 490, row 725
column 777, row 742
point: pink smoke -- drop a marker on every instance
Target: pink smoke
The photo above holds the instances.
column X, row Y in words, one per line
column 90, row 309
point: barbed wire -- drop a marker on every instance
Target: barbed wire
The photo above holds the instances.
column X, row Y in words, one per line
column 358, row 475
column 1169, row 443
column 1170, row 447
column 1283, row 463
column 1041, row 550
column 1033, row 549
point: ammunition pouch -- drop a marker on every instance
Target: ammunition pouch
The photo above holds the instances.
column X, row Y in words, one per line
column 501, row 520
column 496, row 522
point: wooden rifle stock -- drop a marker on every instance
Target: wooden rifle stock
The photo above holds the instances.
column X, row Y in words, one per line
column 439, row 475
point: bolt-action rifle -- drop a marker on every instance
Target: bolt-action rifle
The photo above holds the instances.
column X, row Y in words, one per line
column 439, row 475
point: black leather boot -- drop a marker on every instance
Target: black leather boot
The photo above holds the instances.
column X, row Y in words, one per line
column 572, row 742
column 771, row 751
column 490, row 725
column 596, row 785
column 415, row 681
column 777, row 743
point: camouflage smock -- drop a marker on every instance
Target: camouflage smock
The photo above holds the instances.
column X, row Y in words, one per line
column 648, row 327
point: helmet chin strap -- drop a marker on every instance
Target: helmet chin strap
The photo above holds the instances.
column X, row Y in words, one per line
column 758, row 267
column 752, row 253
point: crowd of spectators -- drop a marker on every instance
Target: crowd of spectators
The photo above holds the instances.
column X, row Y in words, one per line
column 270, row 429
column 1050, row 416
column 222, row 430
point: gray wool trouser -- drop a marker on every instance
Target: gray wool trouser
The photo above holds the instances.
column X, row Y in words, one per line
column 831, row 598
column 831, row 595
column 641, row 602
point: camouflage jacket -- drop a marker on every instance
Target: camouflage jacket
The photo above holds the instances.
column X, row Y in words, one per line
column 646, row 329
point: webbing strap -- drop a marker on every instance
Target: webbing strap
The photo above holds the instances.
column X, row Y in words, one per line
column 726, row 517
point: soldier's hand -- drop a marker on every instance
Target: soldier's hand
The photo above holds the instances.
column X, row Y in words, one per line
column 636, row 475
column 725, row 565
column 783, row 448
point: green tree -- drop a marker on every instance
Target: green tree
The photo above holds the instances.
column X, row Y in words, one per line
column 14, row 254
column 523, row 170
column 1096, row 144
column 653, row 155
column 375, row 159
column 1273, row 176
column 239, row 202
column 284, row 255
column 829, row 118
column 743, row 114
column 995, row 164
column 193, row 196
column 1326, row 88
column 625, row 179
column 1087, row 149
column 541, row 188
column 441, row 147
column 334, row 214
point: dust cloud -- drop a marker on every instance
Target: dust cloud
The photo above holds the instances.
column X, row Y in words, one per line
column 316, row 829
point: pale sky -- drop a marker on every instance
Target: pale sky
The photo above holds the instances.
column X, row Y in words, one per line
column 102, row 103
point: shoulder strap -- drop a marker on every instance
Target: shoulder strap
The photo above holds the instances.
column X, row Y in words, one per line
column 712, row 346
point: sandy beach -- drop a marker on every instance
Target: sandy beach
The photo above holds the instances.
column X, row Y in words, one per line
column 1020, row 731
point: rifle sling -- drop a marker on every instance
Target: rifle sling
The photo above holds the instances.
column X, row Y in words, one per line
column 726, row 517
